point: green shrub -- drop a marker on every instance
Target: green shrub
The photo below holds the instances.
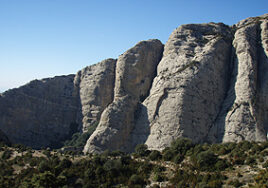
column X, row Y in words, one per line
column 261, row 178
column 181, row 145
column 168, row 155
column 43, row 166
column 250, row 161
column 206, row 160
column 136, row 180
column 142, row 150
column 235, row 183
column 265, row 165
column 221, row 165
column 178, row 158
column 6, row 155
column 157, row 176
column 155, row 155
column 79, row 139
column 114, row 164
column 65, row 163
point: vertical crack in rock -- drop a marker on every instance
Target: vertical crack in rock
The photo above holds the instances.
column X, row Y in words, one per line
column 195, row 91
column 159, row 102
column 216, row 131
column 96, row 85
column 262, row 85
column 134, row 74
column 241, row 121
column 195, row 65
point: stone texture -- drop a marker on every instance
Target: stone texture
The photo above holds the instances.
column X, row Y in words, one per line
column 96, row 85
column 244, row 113
column 191, row 82
column 262, row 86
column 41, row 113
column 211, row 85
column 44, row 113
column 135, row 70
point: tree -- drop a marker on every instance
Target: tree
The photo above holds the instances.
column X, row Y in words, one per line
column 141, row 150
column 206, row 160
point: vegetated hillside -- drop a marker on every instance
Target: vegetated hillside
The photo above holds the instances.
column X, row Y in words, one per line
column 209, row 83
column 183, row 164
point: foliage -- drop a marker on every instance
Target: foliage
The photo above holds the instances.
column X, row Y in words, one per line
column 183, row 164
column 79, row 139
column 142, row 150
column 155, row 155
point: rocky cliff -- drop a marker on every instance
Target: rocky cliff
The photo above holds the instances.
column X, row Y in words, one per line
column 208, row 83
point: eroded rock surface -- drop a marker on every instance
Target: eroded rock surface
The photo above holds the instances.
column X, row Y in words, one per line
column 191, row 83
column 210, row 84
column 40, row 114
column 243, row 121
column 135, row 70
column 96, row 86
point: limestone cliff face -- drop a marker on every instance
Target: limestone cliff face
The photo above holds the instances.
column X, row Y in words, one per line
column 190, row 85
column 96, row 85
column 135, row 70
column 45, row 113
column 41, row 113
column 244, row 112
column 209, row 83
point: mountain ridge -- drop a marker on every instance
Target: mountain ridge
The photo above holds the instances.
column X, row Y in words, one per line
column 207, row 83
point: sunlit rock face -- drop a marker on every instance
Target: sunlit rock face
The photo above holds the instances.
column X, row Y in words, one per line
column 208, row 83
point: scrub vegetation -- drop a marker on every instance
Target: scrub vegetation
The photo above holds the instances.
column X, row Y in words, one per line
column 183, row 164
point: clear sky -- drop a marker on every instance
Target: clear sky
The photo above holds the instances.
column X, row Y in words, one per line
column 45, row 38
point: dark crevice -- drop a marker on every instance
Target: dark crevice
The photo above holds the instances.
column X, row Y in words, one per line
column 231, row 79
column 143, row 97
column 262, row 68
column 159, row 102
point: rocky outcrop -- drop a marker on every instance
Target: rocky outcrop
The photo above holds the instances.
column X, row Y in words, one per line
column 243, row 115
column 45, row 113
column 190, row 85
column 96, row 85
column 209, row 84
column 135, row 70
column 40, row 114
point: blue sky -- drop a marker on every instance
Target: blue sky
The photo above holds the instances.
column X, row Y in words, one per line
column 45, row 38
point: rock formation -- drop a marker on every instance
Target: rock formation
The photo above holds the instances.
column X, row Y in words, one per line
column 209, row 83
column 41, row 113
column 135, row 70
column 244, row 112
column 45, row 113
column 190, row 85
column 96, row 85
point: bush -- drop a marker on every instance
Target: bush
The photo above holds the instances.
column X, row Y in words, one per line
column 235, row 183
column 168, row 155
column 43, row 166
column 136, row 180
column 250, row 161
column 157, row 176
column 206, row 160
column 221, row 165
column 178, row 159
column 6, row 155
column 181, row 145
column 79, row 139
column 141, row 150
column 265, row 165
column 65, row 163
column 112, row 165
column 155, row 155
